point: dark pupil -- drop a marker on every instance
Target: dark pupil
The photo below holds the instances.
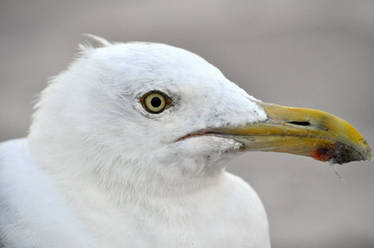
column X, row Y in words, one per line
column 156, row 102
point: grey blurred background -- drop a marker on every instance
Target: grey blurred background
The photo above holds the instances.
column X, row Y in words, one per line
column 308, row 53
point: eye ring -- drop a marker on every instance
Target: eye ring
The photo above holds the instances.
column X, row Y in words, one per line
column 155, row 101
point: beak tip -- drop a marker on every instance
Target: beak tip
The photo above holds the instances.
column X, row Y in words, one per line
column 341, row 153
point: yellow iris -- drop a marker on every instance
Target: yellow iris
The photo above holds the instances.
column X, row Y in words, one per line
column 154, row 102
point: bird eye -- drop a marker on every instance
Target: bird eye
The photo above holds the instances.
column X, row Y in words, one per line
column 155, row 102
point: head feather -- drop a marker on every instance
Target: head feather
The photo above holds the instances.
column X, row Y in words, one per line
column 87, row 46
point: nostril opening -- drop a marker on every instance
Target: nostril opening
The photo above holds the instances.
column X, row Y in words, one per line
column 300, row 123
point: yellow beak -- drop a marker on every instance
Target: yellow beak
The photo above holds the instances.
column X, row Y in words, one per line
column 300, row 131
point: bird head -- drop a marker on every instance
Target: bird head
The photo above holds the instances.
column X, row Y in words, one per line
column 163, row 110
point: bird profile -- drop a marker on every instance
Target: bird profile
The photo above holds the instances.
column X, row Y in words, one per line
column 128, row 148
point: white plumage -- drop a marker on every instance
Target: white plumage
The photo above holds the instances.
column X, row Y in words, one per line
column 98, row 170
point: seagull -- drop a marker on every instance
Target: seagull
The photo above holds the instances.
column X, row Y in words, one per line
column 128, row 148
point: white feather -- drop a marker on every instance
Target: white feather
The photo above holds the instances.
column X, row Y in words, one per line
column 98, row 166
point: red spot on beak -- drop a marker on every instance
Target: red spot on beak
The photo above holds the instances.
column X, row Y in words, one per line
column 323, row 154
